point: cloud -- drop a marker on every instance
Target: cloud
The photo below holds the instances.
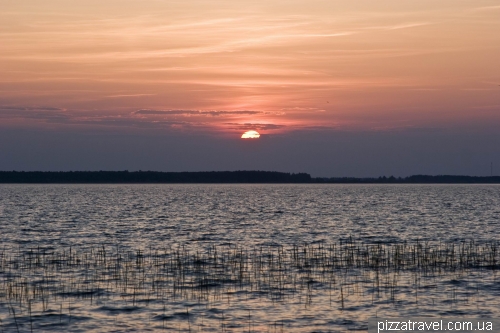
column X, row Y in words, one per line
column 303, row 109
column 47, row 114
column 137, row 119
column 74, row 117
column 214, row 113
column 407, row 25
column 251, row 126
column 129, row 95
column 128, row 122
column 28, row 108
column 54, row 115
column 486, row 8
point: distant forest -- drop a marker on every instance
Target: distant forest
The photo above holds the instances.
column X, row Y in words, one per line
column 153, row 177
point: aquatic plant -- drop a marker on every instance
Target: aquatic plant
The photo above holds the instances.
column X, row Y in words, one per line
column 38, row 280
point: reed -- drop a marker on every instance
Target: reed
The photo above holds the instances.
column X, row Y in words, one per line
column 34, row 280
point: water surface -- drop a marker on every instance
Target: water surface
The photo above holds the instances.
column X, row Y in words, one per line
column 141, row 221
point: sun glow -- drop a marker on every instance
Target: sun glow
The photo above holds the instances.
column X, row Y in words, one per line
column 250, row 135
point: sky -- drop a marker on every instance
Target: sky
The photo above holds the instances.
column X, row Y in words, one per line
column 335, row 88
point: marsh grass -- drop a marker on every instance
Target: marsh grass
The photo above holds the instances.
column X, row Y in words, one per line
column 38, row 281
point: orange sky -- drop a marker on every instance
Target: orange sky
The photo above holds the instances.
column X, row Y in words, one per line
column 228, row 66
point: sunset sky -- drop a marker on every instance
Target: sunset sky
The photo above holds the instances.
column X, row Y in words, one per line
column 335, row 88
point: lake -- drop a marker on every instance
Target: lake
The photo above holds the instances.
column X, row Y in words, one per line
column 244, row 258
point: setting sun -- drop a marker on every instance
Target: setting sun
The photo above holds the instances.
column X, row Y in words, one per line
column 250, row 135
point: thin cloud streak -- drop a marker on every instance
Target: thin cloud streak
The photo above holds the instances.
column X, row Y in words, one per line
column 199, row 113
column 129, row 95
column 137, row 119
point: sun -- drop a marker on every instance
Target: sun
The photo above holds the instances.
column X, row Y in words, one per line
column 250, row 135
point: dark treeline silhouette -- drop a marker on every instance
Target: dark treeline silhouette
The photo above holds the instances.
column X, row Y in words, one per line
column 116, row 177
column 152, row 177
column 416, row 179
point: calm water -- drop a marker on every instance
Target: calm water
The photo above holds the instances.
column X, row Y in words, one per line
column 121, row 219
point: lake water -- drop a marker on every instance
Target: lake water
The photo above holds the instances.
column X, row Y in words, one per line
column 240, row 258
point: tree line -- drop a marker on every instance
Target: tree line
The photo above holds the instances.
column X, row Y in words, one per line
column 156, row 177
